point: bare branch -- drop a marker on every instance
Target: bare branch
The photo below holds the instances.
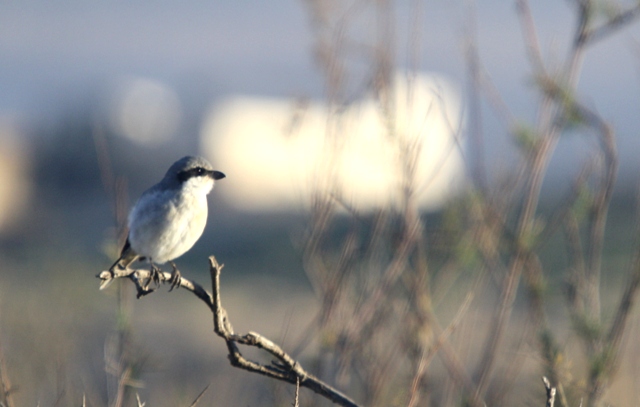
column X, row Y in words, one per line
column 532, row 44
column 197, row 400
column 618, row 22
column 551, row 391
column 285, row 368
column 614, row 338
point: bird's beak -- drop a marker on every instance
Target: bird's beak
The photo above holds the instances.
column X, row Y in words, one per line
column 218, row 175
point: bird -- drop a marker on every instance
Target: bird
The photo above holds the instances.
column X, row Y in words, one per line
column 169, row 218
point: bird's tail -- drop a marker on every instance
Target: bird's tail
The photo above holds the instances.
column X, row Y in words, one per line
column 127, row 256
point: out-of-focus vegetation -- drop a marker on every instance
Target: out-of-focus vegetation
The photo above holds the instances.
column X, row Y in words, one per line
column 474, row 307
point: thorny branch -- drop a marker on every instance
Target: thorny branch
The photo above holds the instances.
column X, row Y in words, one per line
column 285, row 368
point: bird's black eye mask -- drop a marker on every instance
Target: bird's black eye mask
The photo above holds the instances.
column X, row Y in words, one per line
column 199, row 172
column 193, row 172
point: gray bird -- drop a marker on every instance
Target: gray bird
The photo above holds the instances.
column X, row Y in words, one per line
column 170, row 216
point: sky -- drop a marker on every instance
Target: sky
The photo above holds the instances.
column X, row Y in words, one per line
column 54, row 54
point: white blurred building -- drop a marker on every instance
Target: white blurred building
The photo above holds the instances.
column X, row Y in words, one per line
column 276, row 152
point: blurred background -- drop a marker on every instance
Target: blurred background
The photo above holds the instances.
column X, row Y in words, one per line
column 98, row 98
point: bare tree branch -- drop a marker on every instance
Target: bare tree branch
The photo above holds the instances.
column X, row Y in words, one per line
column 285, row 368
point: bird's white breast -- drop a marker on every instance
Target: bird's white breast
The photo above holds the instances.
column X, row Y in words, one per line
column 163, row 225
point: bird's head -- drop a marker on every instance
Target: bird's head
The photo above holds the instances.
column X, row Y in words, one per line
column 193, row 173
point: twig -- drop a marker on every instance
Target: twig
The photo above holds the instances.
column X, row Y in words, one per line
column 285, row 368
column 197, row 400
column 476, row 135
column 619, row 21
column 417, row 377
column 614, row 338
column 6, row 390
column 440, row 344
column 551, row 391
column 532, row 44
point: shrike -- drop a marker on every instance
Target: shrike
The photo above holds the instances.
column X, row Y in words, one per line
column 170, row 216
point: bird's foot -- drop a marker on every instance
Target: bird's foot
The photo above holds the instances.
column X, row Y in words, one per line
column 155, row 275
column 176, row 278
column 144, row 290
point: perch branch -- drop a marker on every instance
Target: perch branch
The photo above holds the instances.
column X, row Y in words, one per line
column 285, row 368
